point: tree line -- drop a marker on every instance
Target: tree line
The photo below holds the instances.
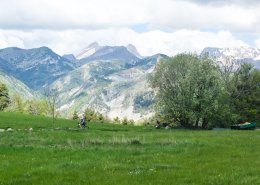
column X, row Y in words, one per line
column 47, row 107
column 91, row 115
column 17, row 104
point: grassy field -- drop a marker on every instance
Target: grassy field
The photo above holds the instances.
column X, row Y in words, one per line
column 115, row 154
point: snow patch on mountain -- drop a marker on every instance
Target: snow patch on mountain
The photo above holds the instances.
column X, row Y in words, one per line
column 227, row 56
column 236, row 52
column 88, row 51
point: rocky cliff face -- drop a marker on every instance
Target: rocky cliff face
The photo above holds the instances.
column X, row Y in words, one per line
column 112, row 87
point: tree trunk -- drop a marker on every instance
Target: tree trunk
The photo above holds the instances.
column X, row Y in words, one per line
column 182, row 122
column 53, row 114
column 204, row 123
column 197, row 123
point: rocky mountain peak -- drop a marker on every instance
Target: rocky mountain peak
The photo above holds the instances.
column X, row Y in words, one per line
column 131, row 48
column 89, row 50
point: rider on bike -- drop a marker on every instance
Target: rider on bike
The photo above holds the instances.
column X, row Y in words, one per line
column 83, row 122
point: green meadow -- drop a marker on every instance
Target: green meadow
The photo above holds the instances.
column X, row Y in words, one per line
column 123, row 154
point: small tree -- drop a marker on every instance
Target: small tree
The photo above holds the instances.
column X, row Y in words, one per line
column 37, row 107
column 100, row 117
column 125, row 121
column 52, row 97
column 4, row 97
column 117, row 120
column 75, row 115
column 18, row 103
column 33, row 109
column 90, row 115
column 131, row 122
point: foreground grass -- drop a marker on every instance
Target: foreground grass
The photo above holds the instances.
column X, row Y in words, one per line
column 115, row 154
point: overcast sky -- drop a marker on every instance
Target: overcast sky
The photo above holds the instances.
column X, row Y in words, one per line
column 153, row 26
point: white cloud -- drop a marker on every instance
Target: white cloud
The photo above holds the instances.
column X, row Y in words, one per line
column 70, row 25
column 97, row 14
column 257, row 43
column 148, row 43
column 64, row 14
column 10, row 39
column 224, row 2
column 186, row 15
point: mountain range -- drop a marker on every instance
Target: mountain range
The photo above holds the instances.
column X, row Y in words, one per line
column 109, row 79
column 34, row 67
column 239, row 54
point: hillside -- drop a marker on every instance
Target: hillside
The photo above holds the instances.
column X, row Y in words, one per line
column 16, row 87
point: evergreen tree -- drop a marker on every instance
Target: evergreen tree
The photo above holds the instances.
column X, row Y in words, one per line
column 75, row 115
column 246, row 93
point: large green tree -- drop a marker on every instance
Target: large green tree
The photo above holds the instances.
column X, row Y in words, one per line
column 189, row 90
column 4, row 97
column 196, row 91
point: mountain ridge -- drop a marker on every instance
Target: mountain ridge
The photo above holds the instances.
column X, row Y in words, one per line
column 120, row 53
column 237, row 54
column 35, row 67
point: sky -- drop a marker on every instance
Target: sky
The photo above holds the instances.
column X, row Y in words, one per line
column 153, row 26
